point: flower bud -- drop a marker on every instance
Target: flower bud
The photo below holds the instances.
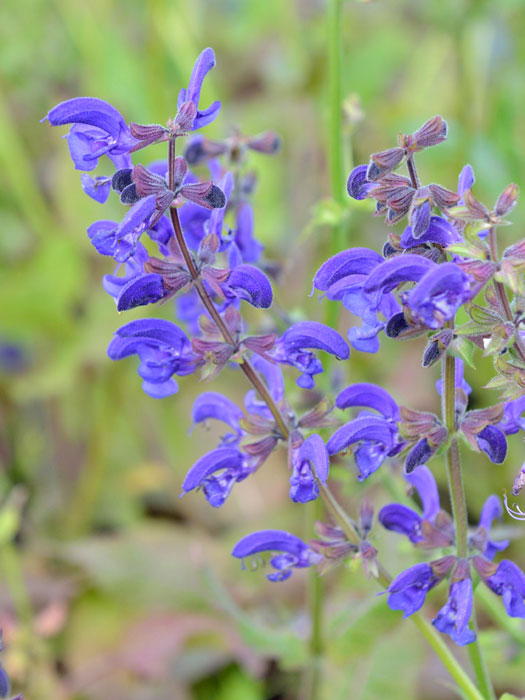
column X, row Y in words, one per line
column 507, row 200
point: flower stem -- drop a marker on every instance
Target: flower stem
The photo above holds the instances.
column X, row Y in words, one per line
column 329, row 500
column 314, row 673
column 502, row 295
column 459, row 508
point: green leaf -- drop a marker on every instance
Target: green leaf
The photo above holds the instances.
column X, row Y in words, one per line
column 465, row 349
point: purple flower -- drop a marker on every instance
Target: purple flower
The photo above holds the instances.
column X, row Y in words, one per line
column 377, row 440
column 371, row 396
column 98, row 129
column 274, row 382
column 121, row 240
column 513, row 419
column 309, row 460
column 492, row 510
column 454, row 616
column 392, row 272
column 213, row 405
column 439, row 231
column 244, row 238
column 293, row 553
column 509, row 583
column 293, row 348
column 493, row 442
column 163, row 350
column 216, row 473
column 249, row 283
column 357, row 185
column 465, row 181
column 204, row 63
column 98, row 188
column 400, row 518
column 342, row 278
column 408, row 591
column 438, row 295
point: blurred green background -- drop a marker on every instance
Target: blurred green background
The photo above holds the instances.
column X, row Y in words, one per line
column 110, row 585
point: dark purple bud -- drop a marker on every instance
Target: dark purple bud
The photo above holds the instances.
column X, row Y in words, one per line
column 437, row 346
column 433, row 132
column 384, row 162
column 507, row 200
column 205, row 194
column 388, row 250
column 268, row 142
column 129, row 195
column 357, row 185
column 397, row 325
column 141, row 290
column 121, row 179
column 408, row 590
column 419, row 454
column 420, row 218
column 443, row 198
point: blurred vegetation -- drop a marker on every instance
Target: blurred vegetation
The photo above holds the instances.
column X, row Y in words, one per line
column 110, row 585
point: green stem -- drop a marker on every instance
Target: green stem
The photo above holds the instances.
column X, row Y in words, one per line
column 13, row 575
column 459, row 508
column 435, row 640
column 314, row 674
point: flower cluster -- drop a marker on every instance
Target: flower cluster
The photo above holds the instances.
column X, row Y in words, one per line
column 188, row 234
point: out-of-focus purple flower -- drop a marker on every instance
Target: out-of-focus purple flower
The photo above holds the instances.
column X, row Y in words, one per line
column 454, row 616
column 204, row 63
column 293, row 348
column 408, row 591
column 121, row 240
column 212, row 405
column 400, row 518
column 357, row 185
column 492, row 510
column 513, row 416
column 509, row 583
column 439, row 231
column 163, row 350
column 216, row 472
column 244, row 238
column 98, row 188
column 275, row 383
column 293, row 553
column 309, row 460
column 98, row 129
column 438, row 295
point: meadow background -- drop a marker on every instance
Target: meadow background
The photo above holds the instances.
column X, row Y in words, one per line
column 110, row 585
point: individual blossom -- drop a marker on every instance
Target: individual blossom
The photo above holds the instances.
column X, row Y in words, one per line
column 408, row 591
column 98, row 188
column 439, row 232
column 508, row 581
column 204, row 63
column 310, row 463
column 295, row 345
column 120, row 240
column 163, row 350
column 216, row 473
column 288, row 552
column 342, row 278
column 454, row 617
column 98, row 129
column 376, row 436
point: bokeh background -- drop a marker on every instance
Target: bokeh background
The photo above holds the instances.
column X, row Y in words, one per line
column 110, row 585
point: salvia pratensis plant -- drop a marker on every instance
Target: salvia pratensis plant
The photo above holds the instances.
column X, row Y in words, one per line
column 190, row 237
